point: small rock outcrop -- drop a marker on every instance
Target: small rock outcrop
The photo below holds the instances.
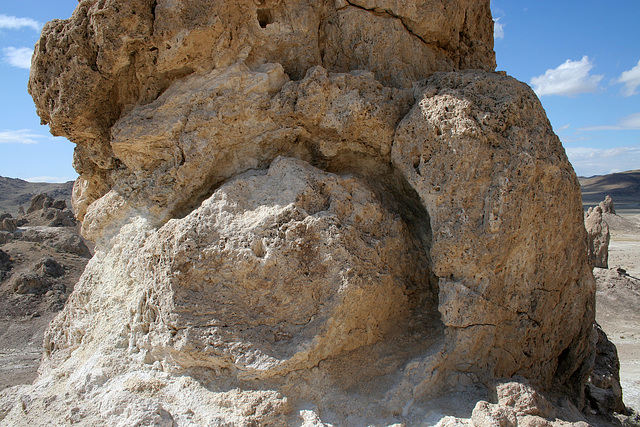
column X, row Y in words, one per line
column 598, row 237
column 604, row 390
column 607, row 205
column 306, row 213
column 46, row 211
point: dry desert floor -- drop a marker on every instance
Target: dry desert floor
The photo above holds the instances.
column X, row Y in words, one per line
column 618, row 298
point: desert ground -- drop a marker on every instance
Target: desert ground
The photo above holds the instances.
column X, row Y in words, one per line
column 618, row 298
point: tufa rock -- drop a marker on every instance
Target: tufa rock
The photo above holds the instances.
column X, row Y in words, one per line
column 306, row 213
column 50, row 267
column 29, row 283
column 598, row 237
column 8, row 224
column 607, row 205
column 82, row 89
column 45, row 211
column 40, row 202
column 604, row 390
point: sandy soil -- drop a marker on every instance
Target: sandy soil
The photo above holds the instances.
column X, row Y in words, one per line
column 618, row 299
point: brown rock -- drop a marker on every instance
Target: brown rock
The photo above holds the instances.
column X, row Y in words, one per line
column 607, row 205
column 310, row 205
column 8, row 224
column 40, row 202
column 598, row 237
column 82, row 88
column 488, row 415
column 473, row 137
column 523, row 398
column 603, row 390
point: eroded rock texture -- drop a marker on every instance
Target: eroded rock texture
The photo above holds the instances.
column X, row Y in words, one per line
column 306, row 213
column 598, row 237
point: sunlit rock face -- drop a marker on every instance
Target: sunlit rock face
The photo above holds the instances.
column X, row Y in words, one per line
column 305, row 213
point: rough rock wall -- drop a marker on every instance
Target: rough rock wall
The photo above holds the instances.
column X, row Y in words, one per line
column 90, row 70
column 305, row 212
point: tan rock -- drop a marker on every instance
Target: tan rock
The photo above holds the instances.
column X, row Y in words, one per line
column 286, row 268
column 110, row 56
column 604, row 389
column 305, row 213
column 488, row 415
column 523, row 398
column 607, row 205
column 465, row 148
column 598, row 237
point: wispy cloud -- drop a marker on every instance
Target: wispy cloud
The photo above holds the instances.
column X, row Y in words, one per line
column 15, row 23
column 631, row 80
column 630, row 122
column 50, row 179
column 589, row 161
column 583, row 153
column 18, row 56
column 21, row 136
column 568, row 79
column 498, row 29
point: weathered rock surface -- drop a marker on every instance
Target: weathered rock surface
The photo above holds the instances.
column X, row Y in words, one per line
column 607, row 205
column 604, row 390
column 307, row 213
column 598, row 237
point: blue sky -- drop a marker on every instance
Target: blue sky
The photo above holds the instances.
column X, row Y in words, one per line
column 581, row 57
column 583, row 60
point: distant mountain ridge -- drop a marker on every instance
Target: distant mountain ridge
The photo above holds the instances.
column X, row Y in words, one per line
column 16, row 192
column 623, row 187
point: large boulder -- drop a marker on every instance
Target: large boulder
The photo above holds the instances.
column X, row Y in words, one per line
column 306, row 213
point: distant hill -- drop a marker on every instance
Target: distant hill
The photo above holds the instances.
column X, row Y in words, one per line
column 623, row 187
column 16, row 192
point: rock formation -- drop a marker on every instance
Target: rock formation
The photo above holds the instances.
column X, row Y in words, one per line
column 607, row 205
column 306, row 213
column 598, row 237
column 604, row 388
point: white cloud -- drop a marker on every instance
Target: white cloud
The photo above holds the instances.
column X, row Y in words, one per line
column 18, row 56
column 50, row 179
column 15, row 23
column 630, row 79
column 21, row 136
column 568, row 79
column 498, row 29
column 583, row 153
column 598, row 161
column 630, row 122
